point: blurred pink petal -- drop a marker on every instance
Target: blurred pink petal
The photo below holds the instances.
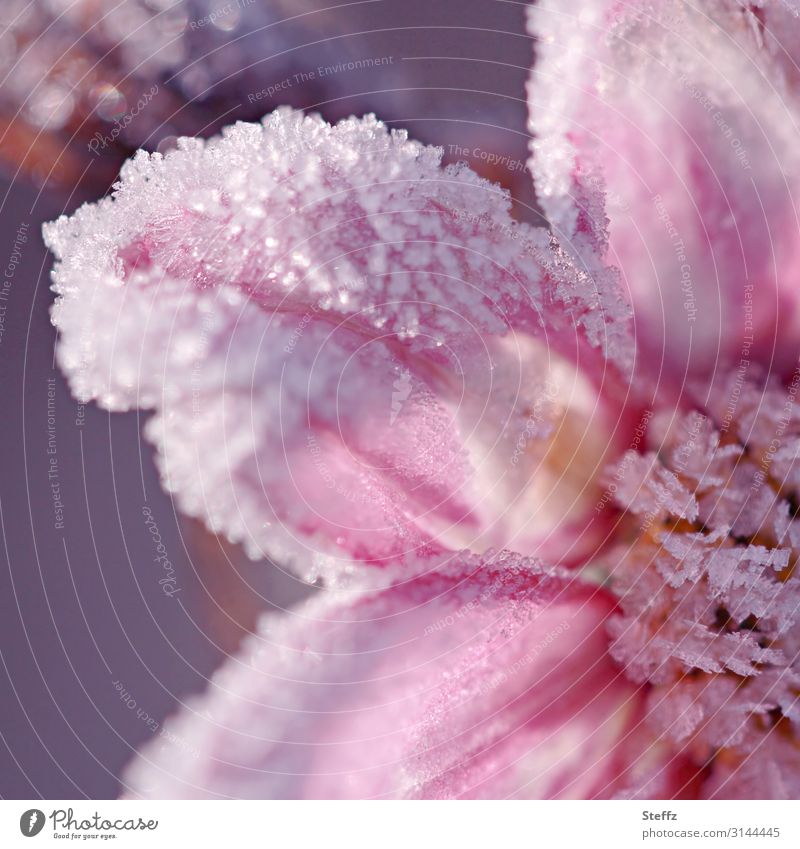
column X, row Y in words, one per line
column 348, row 348
column 709, row 590
column 483, row 679
column 668, row 130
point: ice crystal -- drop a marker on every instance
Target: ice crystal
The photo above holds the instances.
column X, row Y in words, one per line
column 709, row 591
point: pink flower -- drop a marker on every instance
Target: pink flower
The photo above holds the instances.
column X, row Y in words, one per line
column 667, row 132
column 351, row 352
column 482, row 678
column 709, row 590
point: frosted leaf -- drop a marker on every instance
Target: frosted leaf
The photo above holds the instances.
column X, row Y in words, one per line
column 711, row 605
column 476, row 681
column 351, row 351
column 666, row 131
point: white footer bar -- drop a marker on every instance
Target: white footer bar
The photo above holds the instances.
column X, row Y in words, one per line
column 403, row 825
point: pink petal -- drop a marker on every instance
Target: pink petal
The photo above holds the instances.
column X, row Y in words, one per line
column 486, row 679
column 679, row 123
column 350, row 350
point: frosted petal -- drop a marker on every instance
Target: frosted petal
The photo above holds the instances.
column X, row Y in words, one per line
column 666, row 131
column 348, row 348
column 474, row 682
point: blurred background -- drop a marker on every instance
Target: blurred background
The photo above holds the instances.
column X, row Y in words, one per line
column 114, row 608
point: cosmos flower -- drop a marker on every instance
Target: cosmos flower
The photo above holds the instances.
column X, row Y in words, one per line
column 669, row 130
column 476, row 678
column 352, row 352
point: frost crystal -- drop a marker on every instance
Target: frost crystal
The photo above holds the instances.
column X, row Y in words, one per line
column 709, row 591
column 484, row 679
column 266, row 291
